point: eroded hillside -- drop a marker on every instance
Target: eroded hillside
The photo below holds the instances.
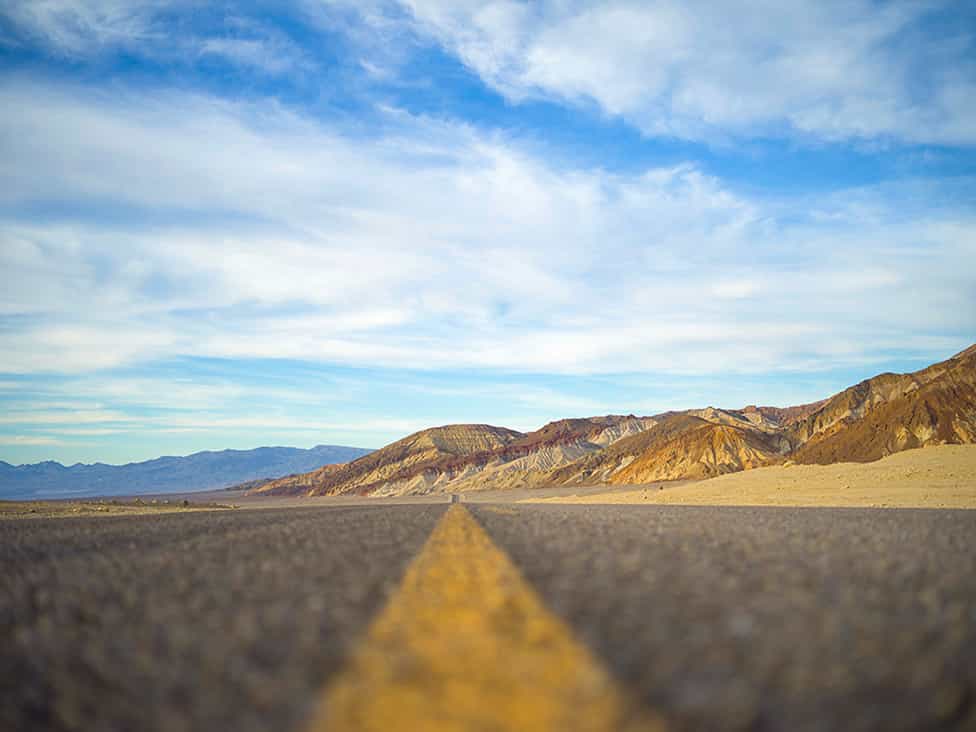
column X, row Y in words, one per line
column 877, row 417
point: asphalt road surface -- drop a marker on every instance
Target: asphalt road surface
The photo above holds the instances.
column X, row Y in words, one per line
column 710, row 618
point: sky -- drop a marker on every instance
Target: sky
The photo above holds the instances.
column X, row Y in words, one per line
column 225, row 225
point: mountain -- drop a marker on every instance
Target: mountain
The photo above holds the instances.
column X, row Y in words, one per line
column 892, row 412
column 529, row 459
column 680, row 445
column 697, row 443
column 879, row 416
column 458, row 457
column 781, row 417
column 403, row 462
column 200, row 471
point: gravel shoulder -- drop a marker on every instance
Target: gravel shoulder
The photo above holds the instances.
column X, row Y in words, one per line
column 104, row 507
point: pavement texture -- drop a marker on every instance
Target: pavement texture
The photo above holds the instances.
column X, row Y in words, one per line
column 204, row 621
column 765, row 618
column 710, row 618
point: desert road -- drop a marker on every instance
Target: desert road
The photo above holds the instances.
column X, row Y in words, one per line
column 480, row 616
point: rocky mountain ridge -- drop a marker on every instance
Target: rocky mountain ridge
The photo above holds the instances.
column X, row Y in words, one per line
column 879, row 416
column 893, row 412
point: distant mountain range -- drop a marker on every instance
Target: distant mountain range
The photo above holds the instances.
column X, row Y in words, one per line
column 877, row 417
column 200, row 471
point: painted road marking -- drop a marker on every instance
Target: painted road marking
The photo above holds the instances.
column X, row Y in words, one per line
column 466, row 644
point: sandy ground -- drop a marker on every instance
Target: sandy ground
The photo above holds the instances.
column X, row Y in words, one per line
column 239, row 500
column 235, row 499
column 931, row 477
column 99, row 507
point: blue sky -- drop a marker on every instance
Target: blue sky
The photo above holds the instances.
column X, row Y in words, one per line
column 237, row 224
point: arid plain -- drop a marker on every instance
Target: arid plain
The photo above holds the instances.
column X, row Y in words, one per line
column 934, row 477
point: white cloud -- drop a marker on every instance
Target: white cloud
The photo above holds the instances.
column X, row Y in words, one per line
column 252, row 52
column 77, row 27
column 707, row 70
column 85, row 28
column 838, row 69
column 89, row 431
column 248, row 43
column 28, row 440
column 436, row 246
column 289, row 424
column 736, row 289
column 73, row 416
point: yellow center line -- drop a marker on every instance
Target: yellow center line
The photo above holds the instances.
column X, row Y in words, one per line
column 466, row 644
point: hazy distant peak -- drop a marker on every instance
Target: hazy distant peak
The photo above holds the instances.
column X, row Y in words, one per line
column 199, row 471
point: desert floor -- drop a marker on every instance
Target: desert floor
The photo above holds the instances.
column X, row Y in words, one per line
column 932, row 477
column 102, row 507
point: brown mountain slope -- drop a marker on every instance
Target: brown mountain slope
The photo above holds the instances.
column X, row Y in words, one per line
column 588, row 432
column 598, row 467
column 780, row 416
column 704, row 452
column 679, row 446
column 528, row 461
column 396, row 461
column 458, row 457
column 893, row 412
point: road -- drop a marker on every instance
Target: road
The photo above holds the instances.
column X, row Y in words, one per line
column 639, row 617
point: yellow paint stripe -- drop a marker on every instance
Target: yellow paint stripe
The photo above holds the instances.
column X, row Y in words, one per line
column 466, row 644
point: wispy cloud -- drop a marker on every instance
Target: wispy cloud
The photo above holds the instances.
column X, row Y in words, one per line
column 249, row 43
column 254, row 52
column 78, row 27
column 714, row 70
column 73, row 416
column 101, row 27
column 707, row 70
column 27, row 440
column 437, row 246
